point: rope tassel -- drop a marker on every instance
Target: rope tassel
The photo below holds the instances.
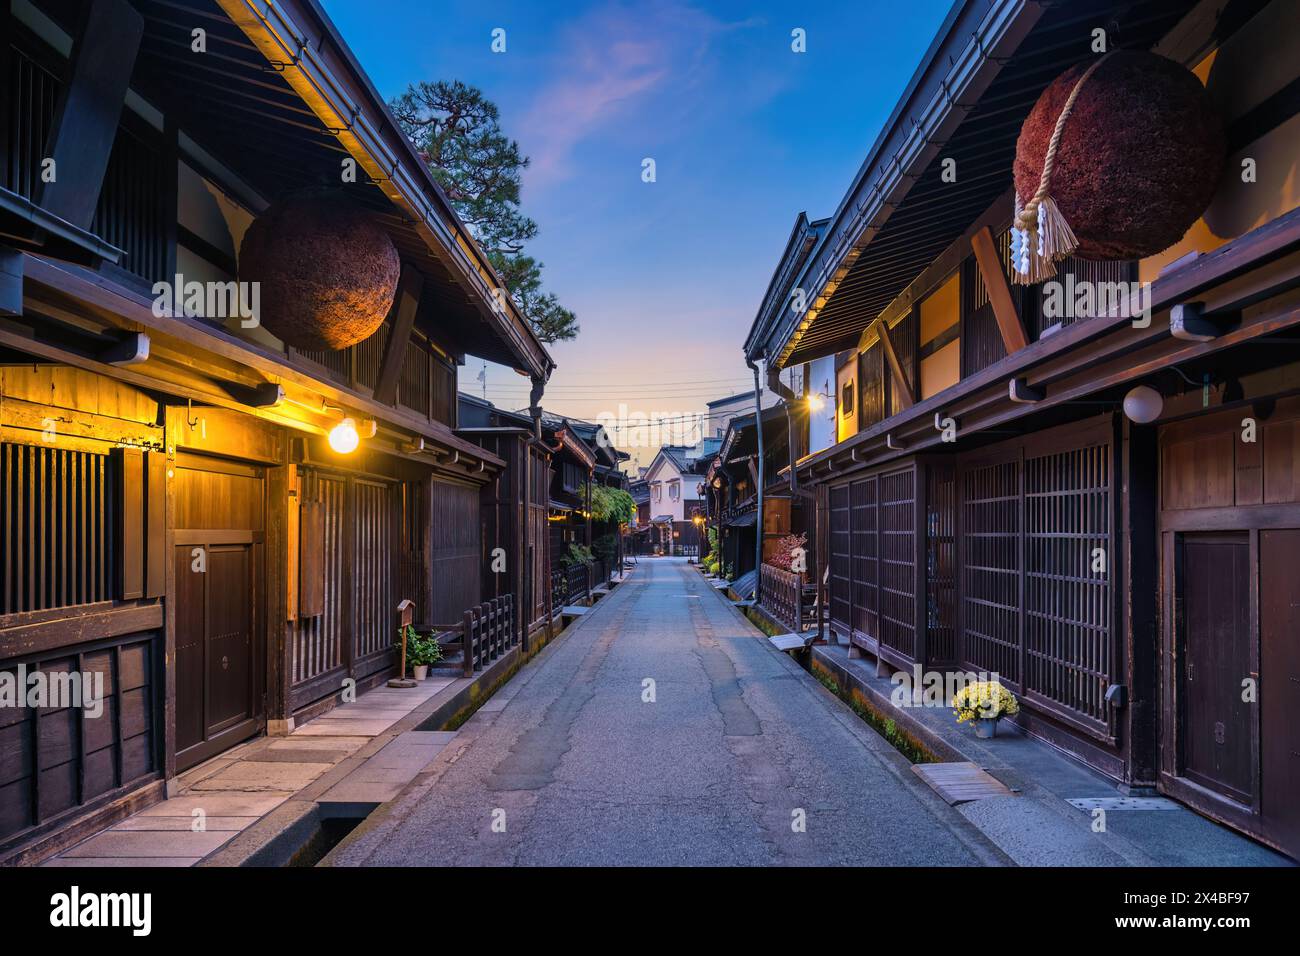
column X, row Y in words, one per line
column 1040, row 235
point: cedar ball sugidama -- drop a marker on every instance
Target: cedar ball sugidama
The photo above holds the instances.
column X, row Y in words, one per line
column 1139, row 159
column 328, row 272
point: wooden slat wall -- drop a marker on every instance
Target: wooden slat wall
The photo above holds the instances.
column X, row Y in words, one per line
column 412, row 573
column 413, row 389
column 456, row 550
column 368, row 356
column 132, row 208
column 56, row 527
column 318, row 638
column 373, row 574
column 903, row 336
column 981, row 340
column 443, row 388
column 871, row 386
column 33, row 93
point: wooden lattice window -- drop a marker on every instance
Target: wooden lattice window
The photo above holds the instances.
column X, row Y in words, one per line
column 866, row 560
column 940, row 564
column 56, row 528
column 991, row 569
column 898, row 562
column 841, row 557
column 1067, row 584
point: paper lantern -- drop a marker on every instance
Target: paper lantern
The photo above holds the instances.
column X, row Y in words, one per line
column 328, row 272
column 1143, row 404
column 1133, row 148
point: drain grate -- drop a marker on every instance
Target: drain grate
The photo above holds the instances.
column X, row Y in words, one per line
column 1122, row 803
column 961, row 782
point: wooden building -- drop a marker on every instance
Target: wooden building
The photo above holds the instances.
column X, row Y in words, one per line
column 220, row 524
column 731, row 481
column 1101, row 509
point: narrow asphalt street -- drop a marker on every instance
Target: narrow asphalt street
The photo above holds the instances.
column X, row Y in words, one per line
column 581, row 760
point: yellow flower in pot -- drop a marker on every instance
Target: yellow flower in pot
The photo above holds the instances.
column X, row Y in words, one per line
column 984, row 703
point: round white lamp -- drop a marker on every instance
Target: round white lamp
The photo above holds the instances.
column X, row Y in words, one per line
column 343, row 437
column 1143, row 404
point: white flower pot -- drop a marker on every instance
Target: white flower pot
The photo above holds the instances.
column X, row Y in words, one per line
column 986, row 727
column 422, row 671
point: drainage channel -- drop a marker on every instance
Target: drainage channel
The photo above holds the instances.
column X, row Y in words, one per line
column 328, row 834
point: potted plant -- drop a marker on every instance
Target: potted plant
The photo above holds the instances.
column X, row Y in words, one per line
column 421, row 651
column 984, row 703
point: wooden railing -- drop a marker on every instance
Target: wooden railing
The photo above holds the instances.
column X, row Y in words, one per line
column 578, row 578
column 489, row 631
column 784, row 595
column 559, row 588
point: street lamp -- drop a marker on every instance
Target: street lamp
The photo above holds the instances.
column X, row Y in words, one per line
column 698, row 521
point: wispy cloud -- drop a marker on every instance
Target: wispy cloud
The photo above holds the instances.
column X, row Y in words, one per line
column 614, row 63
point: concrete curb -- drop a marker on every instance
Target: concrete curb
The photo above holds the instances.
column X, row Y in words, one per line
column 879, row 701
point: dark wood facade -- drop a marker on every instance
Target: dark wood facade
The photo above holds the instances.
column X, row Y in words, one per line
column 172, row 516
column 1124, row 579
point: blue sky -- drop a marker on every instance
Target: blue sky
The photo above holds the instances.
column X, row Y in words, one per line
column 745, row 133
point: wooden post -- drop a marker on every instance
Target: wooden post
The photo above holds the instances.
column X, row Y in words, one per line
column 999, row 292
column 466, row 641
column 406, row 303
column 1136, row 575
column 405, row 614
column 85, row 125
column 895, row 367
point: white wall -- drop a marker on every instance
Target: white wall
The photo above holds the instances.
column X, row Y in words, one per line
column 665, row 473
column 821, row 424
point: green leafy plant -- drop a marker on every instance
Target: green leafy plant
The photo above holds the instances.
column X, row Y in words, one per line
column 605, row 547
column 577, row 554
column 611, row 505
column 421, row 649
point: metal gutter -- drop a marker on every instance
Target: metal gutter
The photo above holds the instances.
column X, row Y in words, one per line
column 288, row 49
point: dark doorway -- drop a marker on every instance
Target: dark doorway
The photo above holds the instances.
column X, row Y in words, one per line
column 1214, row 653
column 218, row 587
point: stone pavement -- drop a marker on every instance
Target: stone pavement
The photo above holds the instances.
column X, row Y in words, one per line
column 662, row 729
column 1039, row 826
column 231, row 792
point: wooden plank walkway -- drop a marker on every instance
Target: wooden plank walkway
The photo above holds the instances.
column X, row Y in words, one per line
column 960, row 782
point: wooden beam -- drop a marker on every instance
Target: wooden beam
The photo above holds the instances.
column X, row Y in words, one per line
column 995, row 282
column 900, row 379
column 85, row 124
column 11, row 282
column 405, row 304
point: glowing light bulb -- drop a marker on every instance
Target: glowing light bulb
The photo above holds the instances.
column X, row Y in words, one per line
column 815, row 402
column 344, row 438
